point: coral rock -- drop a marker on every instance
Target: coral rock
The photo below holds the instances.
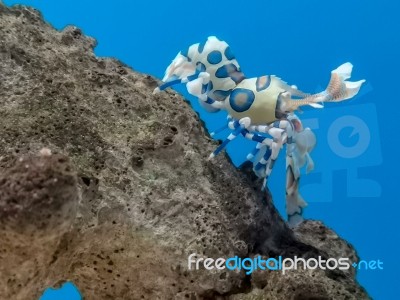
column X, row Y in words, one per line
column 148, row 195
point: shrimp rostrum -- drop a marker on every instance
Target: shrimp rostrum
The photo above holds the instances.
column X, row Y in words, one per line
column 260, row 109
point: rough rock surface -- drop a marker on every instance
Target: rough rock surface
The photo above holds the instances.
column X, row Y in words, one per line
column 38, row 204
column 147, row 195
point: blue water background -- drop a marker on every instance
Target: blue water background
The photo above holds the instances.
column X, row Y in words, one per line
column 68, row 291
column 300, row 41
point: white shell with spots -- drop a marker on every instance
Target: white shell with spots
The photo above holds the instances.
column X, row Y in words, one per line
column 262, row 110
column 213, row 44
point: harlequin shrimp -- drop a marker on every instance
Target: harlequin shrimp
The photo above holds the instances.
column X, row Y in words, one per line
column 260, row 109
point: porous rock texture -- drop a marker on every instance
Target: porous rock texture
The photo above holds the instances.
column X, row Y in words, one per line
column 127, row 192
column 38, row 203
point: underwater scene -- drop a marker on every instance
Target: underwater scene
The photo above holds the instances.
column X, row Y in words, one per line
column 199, row 149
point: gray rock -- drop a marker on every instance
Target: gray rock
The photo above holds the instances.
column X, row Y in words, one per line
column 148, row 195
column 38, row 204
